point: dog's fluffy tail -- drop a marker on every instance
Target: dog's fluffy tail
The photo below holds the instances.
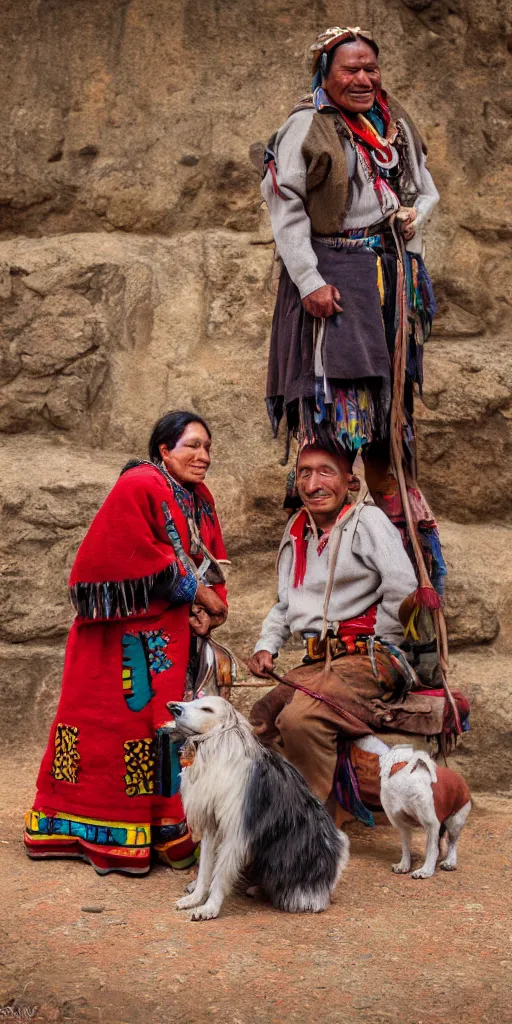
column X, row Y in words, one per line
column 297, row 854
column 344, row 855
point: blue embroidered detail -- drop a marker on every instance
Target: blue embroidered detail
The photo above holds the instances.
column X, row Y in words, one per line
column 144, row 655
column 157, row 642
column 184, row 590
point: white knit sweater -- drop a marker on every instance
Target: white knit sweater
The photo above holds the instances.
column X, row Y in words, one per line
column 372, row 566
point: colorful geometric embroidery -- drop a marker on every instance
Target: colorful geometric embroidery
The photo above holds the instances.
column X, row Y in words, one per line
column 67, row 757
column 106, row 833
column 157, row 642
column 139, row 778
column 144, row 655
column 193, row 506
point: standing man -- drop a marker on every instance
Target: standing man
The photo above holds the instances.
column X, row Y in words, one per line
column 349, row 193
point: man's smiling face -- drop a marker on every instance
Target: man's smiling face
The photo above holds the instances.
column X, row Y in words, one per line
column 354, row 77
column 322, row 483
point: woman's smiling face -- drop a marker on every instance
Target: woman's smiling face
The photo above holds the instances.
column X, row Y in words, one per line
column 189, row 460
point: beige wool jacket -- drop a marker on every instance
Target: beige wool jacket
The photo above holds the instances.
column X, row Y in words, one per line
column 372, row 567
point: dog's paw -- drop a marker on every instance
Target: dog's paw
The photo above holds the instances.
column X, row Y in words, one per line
column 400, row 869
column 422, row 873
column 187, row 902
column 191, row 885
column 204, row 913
column 447, row 865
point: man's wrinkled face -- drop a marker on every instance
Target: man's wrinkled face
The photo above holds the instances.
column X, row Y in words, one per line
column 354, row 77
column 322, row 482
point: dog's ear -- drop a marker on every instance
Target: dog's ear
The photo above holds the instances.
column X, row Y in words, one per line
column 422, row 760
column 239, row 718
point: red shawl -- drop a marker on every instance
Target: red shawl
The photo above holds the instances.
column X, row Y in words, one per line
column 127, row 545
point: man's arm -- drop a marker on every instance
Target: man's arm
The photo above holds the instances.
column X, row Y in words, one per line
column 428, row 196
column 380, row 546
column 275, row 630
column 290, row 223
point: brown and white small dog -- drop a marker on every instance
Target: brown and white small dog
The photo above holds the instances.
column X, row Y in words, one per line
column 415, row 792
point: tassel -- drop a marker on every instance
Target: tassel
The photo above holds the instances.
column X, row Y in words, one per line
column 427, row 597
column 300, row 549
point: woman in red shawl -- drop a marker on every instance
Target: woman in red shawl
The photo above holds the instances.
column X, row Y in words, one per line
column 146, row 574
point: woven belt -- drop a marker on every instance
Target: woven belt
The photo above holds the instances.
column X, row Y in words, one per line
column 316, row 649
column 373, row 237
column 339, row 242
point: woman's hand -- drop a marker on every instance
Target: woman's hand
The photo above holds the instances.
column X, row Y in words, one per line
column 199, row 621
column 208, row 611
column 323, row 302
column 202, row 623
column 208, row 599
column 406, row 216
column 261, row 663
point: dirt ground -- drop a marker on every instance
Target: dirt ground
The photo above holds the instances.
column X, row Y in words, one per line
column 388, row 949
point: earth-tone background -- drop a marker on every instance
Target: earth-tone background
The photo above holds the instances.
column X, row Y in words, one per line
column 135, row 266
column 135, row 261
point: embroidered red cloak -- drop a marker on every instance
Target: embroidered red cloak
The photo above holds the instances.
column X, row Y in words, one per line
column 101, row 793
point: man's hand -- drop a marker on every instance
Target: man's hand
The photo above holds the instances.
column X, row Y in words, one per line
column 406, row 216
column 323, row 302
column 261, row 663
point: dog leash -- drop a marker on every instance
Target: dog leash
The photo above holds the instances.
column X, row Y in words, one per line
column 317, row 696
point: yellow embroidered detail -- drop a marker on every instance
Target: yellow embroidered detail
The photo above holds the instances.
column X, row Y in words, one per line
column 380, row 280
column 139, row 778
column 67, row 757
column 127, row 679
column 410, row 629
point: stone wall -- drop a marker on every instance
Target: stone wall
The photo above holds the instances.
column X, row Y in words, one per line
column 135, row 276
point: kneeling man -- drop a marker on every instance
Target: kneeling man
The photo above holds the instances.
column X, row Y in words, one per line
column 343, row 575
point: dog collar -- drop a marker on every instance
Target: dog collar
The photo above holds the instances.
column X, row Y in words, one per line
column 187, row 756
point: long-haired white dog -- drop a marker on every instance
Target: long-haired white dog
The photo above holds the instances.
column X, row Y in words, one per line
column 254, row 814
column 415, row 792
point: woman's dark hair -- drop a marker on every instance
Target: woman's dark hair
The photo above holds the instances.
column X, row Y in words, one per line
column 170, row 428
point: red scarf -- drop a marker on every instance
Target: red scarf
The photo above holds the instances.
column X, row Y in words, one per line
column 127, row 539
column 364, row 131
column 128, row 546
column 298, row 534
column 367, row 138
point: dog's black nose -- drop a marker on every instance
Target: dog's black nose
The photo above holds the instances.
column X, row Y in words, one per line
column 175, row 709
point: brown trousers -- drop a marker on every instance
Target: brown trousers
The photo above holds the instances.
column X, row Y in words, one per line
column 305, row 730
